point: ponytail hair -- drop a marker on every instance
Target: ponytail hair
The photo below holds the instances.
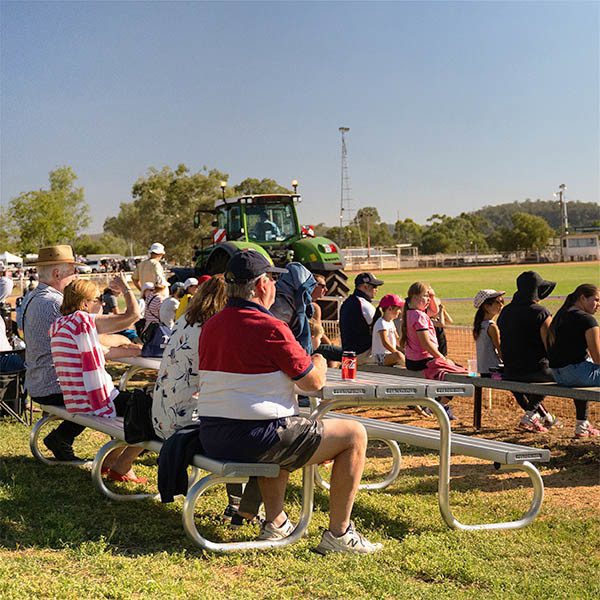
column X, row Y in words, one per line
column 586, row 290
column 478, row 320
column 416, row 289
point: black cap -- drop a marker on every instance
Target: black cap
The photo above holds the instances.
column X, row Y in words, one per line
column 246, row 265
column 367, row 278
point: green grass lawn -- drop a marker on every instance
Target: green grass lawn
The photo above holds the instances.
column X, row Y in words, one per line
column 59, row 538
column 466, row 282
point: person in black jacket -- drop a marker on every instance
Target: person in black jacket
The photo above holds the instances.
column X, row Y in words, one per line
column 524, row 325
column 356, row 317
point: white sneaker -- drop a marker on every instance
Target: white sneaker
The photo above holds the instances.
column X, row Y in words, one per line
column 584, row 429
column 268, row 531
column 351, row 541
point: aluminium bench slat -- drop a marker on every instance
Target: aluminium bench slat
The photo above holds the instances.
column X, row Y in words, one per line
column 544, row 389
column 114, row 428
column 499, row 452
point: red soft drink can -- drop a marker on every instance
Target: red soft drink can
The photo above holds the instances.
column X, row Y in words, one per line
column 349, row 365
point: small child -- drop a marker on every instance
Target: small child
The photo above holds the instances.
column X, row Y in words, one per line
column 384, row 344
column 418, row 333
column 485, row 331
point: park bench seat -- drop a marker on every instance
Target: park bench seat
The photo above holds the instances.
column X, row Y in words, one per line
column 497, row 452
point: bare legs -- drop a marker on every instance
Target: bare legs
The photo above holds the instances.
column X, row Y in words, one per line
column 344, row 442
column 121, row 460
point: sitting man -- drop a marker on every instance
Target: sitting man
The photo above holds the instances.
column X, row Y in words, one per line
column 265, row 229
column 356, row 317
column 56, row 269
column 249, row 411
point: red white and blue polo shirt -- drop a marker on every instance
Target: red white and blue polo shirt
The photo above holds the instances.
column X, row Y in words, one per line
column 249, row 361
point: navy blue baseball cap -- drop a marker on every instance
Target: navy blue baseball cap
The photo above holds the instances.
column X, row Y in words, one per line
column 367, row 278
column 246, row 265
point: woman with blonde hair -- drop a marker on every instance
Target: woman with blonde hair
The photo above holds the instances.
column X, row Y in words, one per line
column 80, row 365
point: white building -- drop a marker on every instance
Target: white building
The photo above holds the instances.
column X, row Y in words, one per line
column 581, row 246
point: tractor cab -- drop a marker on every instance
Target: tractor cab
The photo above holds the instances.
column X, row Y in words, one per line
column 268, row 220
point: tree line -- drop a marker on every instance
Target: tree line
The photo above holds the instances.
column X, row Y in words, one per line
column 164, row 201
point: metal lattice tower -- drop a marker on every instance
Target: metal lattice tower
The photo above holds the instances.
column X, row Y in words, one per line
column 345, row 184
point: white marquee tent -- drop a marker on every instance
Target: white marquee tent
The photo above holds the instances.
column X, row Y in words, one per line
column 10, row 259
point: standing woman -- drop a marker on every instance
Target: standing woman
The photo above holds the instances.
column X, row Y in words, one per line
column 574, row 349
column 79, row 362
column 488, row 303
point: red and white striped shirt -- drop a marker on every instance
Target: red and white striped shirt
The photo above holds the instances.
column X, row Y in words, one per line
column 79, row 364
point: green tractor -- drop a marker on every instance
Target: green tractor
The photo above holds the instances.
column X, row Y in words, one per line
column 268, row 223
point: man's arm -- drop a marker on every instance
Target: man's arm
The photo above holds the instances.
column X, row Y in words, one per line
column 315, row 379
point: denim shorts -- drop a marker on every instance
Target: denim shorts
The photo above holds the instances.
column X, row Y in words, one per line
column 583, row 374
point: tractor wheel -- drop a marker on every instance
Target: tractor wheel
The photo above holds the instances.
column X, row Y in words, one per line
column 337, row 285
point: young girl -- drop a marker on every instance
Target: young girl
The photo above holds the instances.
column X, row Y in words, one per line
column 384, row 345
column 418, row 333
column 488, row 303
column 574, row 348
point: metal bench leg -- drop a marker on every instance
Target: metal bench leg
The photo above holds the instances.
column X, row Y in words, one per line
column 99, row 482
column 189, row 506
column 528, row 517
column 34, row 438
column 379, row 485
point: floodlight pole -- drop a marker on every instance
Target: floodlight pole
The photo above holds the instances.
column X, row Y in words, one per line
column 564, row 219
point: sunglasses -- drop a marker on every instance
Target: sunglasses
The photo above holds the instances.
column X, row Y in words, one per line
column 272, row 276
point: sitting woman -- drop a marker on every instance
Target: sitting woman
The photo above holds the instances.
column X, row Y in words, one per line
column 574, row 349
column 79, row 361
column 175, row 400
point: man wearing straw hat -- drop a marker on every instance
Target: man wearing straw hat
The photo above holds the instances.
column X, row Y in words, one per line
column 56, row 269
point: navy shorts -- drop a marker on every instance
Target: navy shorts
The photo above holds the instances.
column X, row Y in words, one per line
column 288, row 442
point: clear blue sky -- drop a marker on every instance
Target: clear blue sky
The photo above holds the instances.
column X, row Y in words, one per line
column 451, row 106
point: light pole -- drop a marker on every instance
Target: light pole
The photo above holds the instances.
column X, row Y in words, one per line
column 564, row 219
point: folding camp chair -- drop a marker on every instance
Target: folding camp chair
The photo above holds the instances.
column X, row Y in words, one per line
column 13, row 394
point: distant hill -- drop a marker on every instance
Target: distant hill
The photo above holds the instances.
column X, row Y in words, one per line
column 580, row 214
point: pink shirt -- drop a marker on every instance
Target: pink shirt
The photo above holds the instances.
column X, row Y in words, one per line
column 79, row 364
column 417, row 320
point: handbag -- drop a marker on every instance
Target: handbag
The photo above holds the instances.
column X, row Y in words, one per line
column 155, row 338
column 137, row 420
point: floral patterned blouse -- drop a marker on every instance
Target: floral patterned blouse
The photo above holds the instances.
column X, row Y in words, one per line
column 175, row 398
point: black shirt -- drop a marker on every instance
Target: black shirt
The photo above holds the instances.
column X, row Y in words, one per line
column 522, row 348
column 570, row 346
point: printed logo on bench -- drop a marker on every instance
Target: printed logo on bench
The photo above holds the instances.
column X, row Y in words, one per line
column 348, row 391
column 400, row 391
column 449, row 390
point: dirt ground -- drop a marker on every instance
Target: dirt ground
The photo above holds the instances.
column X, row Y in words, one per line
column 571, row 479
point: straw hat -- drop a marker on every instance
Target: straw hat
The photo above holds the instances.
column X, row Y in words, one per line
column 54, row 255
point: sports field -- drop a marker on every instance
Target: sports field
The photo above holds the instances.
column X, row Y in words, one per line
column 464, row 283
